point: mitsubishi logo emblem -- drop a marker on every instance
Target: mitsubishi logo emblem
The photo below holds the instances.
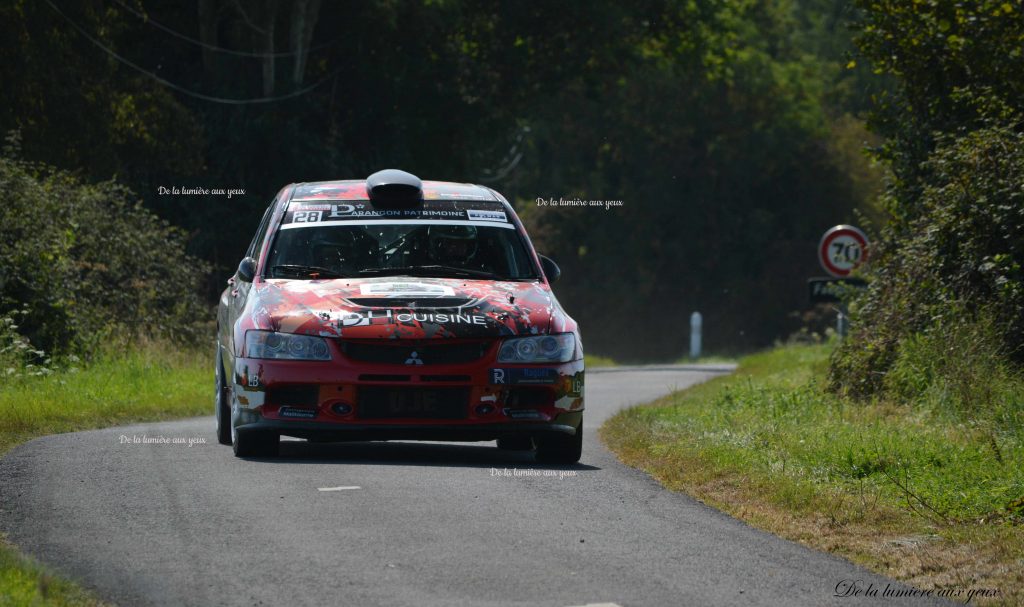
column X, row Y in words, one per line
column 414, row 359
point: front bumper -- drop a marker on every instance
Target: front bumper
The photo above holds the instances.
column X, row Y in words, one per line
column 330, row 400
column 565, row 424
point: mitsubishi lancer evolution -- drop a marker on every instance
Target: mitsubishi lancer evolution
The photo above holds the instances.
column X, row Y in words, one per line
column 392, row 308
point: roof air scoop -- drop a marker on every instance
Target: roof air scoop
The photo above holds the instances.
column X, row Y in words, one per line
column 394, row 188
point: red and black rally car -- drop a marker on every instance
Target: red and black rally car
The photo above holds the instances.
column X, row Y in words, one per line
column 391, row 309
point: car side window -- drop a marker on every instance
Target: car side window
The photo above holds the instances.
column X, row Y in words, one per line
column 261, row 233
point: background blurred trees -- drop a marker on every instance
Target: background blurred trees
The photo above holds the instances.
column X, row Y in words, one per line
column 731, row 131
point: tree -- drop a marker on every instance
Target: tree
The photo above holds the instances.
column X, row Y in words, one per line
column 950, row 255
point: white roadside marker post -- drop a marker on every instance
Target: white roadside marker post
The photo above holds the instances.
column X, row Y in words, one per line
column 842, row 322
column 696, row 322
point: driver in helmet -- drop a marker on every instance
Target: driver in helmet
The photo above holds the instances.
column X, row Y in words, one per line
column 452, row 245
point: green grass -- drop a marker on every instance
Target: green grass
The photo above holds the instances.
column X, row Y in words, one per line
column 707, row 359
column 24, row 582
column 770, row 445
column 148, row 383
column 590, row 360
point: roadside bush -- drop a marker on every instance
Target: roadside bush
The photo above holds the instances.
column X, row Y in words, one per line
column 957, row 369
column 84, row 263
column 953, row 271
column 17, row 356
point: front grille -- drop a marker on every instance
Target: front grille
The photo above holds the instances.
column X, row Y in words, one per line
column 417, row 403
column 383, row 377
column 408, row 353
column 463, row 378
column 411, row 302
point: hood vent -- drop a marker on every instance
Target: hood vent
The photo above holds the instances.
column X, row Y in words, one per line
column 411, row 302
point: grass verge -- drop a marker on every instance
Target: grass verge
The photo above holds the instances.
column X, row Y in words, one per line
column 591, row 361
column 914, row 493
column 148, row 383
column 24, row 582
column 151, row 382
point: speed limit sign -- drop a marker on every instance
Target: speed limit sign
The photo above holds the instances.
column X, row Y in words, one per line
column 842, row 249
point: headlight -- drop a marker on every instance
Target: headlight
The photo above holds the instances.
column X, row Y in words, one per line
column 540, row 349
column 270, row 344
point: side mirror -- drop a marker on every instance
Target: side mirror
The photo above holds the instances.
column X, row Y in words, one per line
column 247, row 269
column 551, row 270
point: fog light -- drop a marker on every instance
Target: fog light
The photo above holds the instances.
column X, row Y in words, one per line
column 341, row 408
column 484, row 409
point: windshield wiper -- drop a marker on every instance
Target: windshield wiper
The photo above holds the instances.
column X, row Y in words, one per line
column 308, row 270
column 431, row 270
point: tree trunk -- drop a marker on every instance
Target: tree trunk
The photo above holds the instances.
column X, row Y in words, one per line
column 304, row 16
column 267, row 46
column 208, row 17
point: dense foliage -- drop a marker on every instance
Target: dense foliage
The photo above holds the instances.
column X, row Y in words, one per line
column 950, row 259
column 728, row 130
column 83, row 263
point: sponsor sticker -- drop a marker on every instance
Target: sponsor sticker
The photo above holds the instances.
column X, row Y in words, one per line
column 481, row 215
column 524, row 376
column 523, row 413
column 297, row 413
column 389, row 317
column 365, row 319
column 306, row 212
column 453, row 194
column 404, row 289
column 308, row 206
column 442, row 319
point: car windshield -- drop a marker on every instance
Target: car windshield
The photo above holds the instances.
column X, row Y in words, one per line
column 443, row 249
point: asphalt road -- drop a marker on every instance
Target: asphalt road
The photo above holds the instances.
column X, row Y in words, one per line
column 400, row 524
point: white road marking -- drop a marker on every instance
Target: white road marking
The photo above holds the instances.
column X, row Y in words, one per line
column 598, row 605
column 336, row 488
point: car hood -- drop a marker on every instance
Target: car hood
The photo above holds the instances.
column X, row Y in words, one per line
column 405, row 308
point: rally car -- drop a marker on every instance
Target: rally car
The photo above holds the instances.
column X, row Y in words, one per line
column 392, row 308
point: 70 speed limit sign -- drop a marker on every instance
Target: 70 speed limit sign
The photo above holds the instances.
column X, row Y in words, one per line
column 842, row 249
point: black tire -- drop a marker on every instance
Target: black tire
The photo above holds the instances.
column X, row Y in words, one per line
column 221, row 403
column 256, row 444
column 561, row 449
column 516, row 443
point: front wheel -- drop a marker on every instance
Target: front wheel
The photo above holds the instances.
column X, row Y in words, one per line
column 561, row 449
column 221, row 403
column 256, row 444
